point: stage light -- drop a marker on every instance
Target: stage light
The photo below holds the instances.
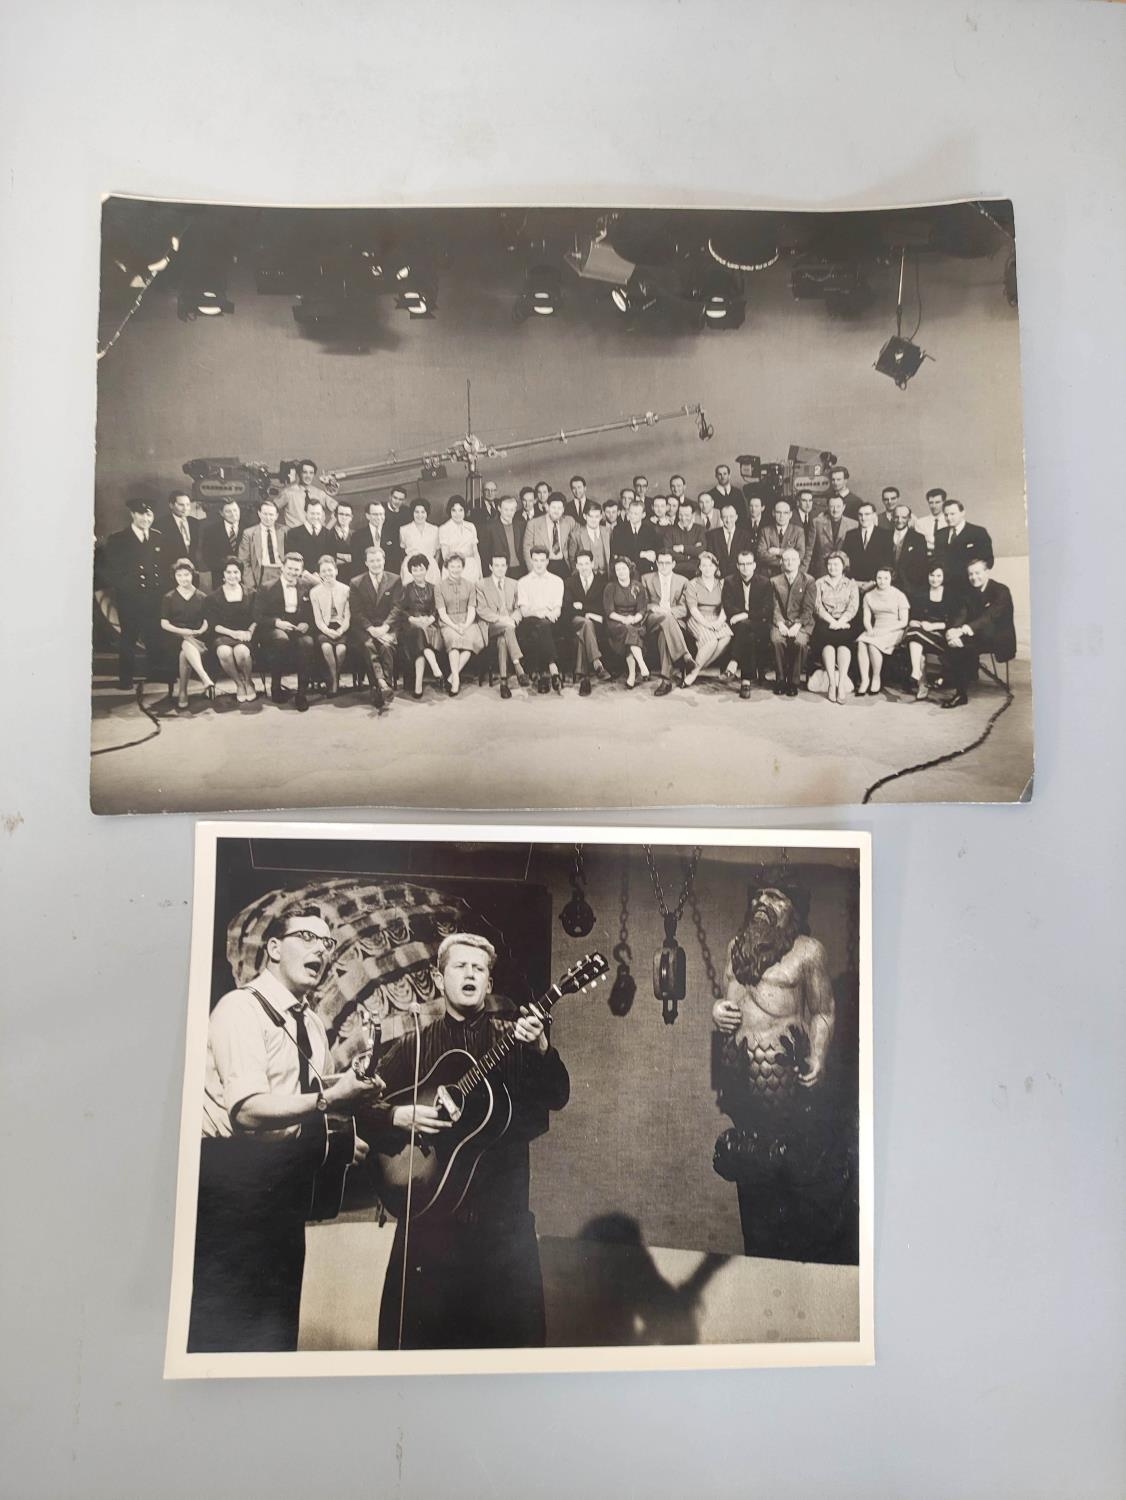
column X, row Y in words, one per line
column 541, row 295
column 636, row 297
column 418, row 301
column 403, row 271
column 745, row 242
column 203, row 302
column 900, row 359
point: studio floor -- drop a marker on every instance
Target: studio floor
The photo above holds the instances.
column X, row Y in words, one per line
column 702, row 746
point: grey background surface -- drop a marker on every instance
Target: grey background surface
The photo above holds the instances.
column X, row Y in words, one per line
column 999, row 939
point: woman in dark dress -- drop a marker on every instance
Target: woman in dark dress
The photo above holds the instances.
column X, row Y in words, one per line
column 419, row 635
column 623, row 608
column 230, row 613
column 183, row 614
column 931, row 612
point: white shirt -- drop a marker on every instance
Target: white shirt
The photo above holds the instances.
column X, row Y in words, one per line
column 666, row 590
column 271, row 552
column 289, row 590
column 248, row 1054
column 929, row 526
column 184, row 530
column 540, row 595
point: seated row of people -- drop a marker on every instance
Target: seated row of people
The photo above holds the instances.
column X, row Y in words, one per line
column 734, row 622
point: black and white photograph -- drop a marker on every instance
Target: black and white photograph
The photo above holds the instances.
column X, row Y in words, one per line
column 479, row 508
column 524, row 1100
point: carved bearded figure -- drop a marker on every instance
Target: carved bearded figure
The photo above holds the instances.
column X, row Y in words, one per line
column 774, row 1026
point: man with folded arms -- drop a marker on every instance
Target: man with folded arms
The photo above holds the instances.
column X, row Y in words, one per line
column 665, row 616
column 685, row 540
column 374, row 612
column 504, row 533
column 539, row 599
column 794, row 599
column 552, row 532
column 582, row 616
column 494, row 599
column 748, row 603
column 591, row 537
column 775, row 538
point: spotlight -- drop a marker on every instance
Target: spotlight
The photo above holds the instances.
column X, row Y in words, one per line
column 203, row 302
column 637, row 296
column 419, row 301
column 719, row 295
column 900, row 359
column 403, row 271
column 541, row 295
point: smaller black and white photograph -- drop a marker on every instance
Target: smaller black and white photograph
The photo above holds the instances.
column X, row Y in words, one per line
column 553, row 1099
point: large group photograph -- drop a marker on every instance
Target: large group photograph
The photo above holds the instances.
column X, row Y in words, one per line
column 551, row 1099
column 461, row 508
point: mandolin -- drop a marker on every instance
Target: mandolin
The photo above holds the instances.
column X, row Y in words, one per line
column 436, row 1171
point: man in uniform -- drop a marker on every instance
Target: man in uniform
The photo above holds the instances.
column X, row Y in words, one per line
column 135, row 567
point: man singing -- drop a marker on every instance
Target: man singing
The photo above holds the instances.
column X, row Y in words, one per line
column 473, row 1278
column 267, row 1087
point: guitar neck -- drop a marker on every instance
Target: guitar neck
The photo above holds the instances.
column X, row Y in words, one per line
column 496, row 1054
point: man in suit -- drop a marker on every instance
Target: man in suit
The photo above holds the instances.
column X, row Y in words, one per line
column 284, row 621
column 552, row 532
column 636, row 538
column 983, row 626
column 794, row 597
column 485, row 508
column 376, row 531
column 678, row 489
column 582, row 617
column 373, row 606
column 867, row 548
column 665, row 617
column 219, row 540
column 748, row 603
column 611, row 515
column 685, row 540
column 890, row 497
column 575, row 507
column 723, row 492
column 838, row 485
column 504, row 534
column 543, row 495
column 137, row 572
column 909, row 553
column 261, row 549
column 591, row 537
column 527, row 508
column 959, row 545
column 310, row 540
column 829, row 532
column 804, row 517
column 641, row 490
column 268, row 1073
column 775, row 538
column 727, row 540
column 756, row 520
column 182, row 530
column 934, row 521
column 338, row 540
column 494, row 600
column 294, row 499
column 707, row 512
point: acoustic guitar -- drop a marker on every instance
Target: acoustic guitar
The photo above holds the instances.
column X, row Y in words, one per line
column 436, row 1171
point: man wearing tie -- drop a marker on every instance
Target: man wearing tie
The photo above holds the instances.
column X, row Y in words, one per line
column 685, row 540
column 867, row 548
column 261, row 550
column 748, row 603
column 665, row 616
column 310, row 540
column 284, row 619
column 803, row 517
column 374, row 612
column 727, row 540
column 983, row 625
column 552, row 532
column 756, row 519
column 295, row 497
column 375, row 532
column 182, row 529
column 890, row 496
column 829, row 532
column 504, row 534
column 582, row 616
column 774, row 540
column 794, row 601
column 909, row 553
column 959, row 545
column 723, row 492
column 338, row 540
column 220, row 539
column 933, row 522
column 576, row 506
column 494, row 599
column 635, row 537
column 591, row 537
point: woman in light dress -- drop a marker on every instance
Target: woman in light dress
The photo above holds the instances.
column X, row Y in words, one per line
column 706, row 619
column 419, row 538
column 886, row 611
column 460, row 536
column 331, row 614
column 462, row 635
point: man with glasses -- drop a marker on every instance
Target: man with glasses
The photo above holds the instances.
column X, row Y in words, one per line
column 268, row 1086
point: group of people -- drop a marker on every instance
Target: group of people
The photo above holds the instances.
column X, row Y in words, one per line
column 653, row 586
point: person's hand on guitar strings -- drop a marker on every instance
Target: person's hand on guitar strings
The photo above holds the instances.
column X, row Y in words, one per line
column 426, row 1119
column 348, row 1089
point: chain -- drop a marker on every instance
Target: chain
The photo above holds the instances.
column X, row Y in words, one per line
column 623, row 952
column 578, row 873
column 701, row 938
column 658, row 889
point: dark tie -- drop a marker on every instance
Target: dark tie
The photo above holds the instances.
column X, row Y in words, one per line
column 555, row 539
column 271, row 556
column 301, row 1031
column 230, row 534
column 185, row 533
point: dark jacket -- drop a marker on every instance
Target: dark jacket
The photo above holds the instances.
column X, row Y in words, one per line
column 989, row 614
column 135, row 569
column 864, row 561
column 761, row 602
column 368, row 607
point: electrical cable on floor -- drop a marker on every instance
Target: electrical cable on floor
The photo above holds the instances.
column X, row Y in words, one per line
column 144, row 739
column 942, row 760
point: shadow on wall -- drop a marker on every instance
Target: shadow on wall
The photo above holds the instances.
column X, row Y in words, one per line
column 613, row 1292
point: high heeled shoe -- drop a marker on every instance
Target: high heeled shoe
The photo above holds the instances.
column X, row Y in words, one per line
column 209, row 692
